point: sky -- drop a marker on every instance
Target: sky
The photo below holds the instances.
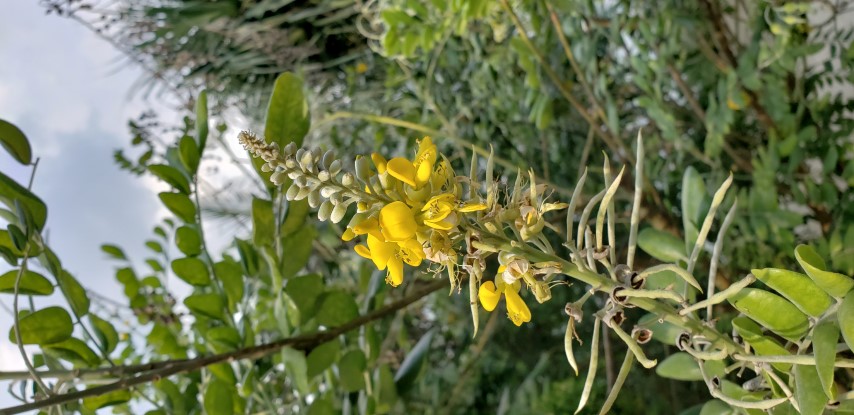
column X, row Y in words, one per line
column 68, row 91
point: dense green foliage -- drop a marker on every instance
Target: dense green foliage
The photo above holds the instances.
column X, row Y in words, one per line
column 759, row 90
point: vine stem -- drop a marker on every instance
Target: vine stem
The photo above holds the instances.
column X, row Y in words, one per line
column 18, row 340
column 304, row 342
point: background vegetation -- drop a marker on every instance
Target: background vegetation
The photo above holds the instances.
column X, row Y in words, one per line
column 759, row 89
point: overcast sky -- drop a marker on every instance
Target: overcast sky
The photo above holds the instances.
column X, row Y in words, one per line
column 59, row 83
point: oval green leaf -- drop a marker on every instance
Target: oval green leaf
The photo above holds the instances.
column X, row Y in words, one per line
column 45, row 326
column 661, row 330
column 287, row 112
column 661, row 245
column 833, row 283
column 683, row 366
column 192, row 270
column 188, row 240
column 106, row 333
column 219, row 399
column 32, row 283
column 321, row 357
column 75, row 351
column 771, row 311
column 11, row 191
column 208, row 305
column 797, row 288
column 808, row 390
column 188, row 152
column 15, row 142
column 171, row 176
column 107, row 399
column 231, row 276
column 411, row 365
column 762, row 345
column 351, row 370
column 223, row 339
column 74, row 293
column 845, row 315
column 824, row 338
column 304, row 291
column 180, row 205
column 338, row 307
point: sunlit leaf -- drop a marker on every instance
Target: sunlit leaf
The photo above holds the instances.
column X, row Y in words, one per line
column 15, row 142
column 31, row 283
column 48, row 325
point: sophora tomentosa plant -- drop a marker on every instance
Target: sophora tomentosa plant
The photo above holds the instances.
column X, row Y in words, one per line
column 785, row 352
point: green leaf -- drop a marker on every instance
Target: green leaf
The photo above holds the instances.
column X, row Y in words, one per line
column 171, row 176
column 74, row 293
column 15, row 142
column 683, row 366
column 11, row 192
column 295, row 362
column 385, row 389
column 114, row 251
column 693, row 196
column 297, row 248
column 106, row 333
column 202, row 120
column 188, row 152
column 321, row 357
column 833, row 283
column 188, row 240
column 338, row 307
column 219, row 399
column 824, row 338
column 32, row 283
column 224, row 372
column 231, row 276
column 762, row 345
column 192, row 270
column 663, row 331
column 717, row 407
column 661, row 245
column 108, row 399
column 351, row 369
column 73, row 350
column 771, row 311
column 263, row 222
column 180, row 205
column 411, row 365
column 797, row 288
column 223, row 339
column 845, row 315
column 6, row 242
column 287, row 112
column 45, row 326
column 208, row 305
column 304, row 292
column 298, row 210
column 808, row 391
column 322, row 406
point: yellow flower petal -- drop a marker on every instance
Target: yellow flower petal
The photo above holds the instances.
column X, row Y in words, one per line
column 395, row 272
column 402, row 169
column 471, row 207
column 348, row 235
column 517, row 310
column 381, row 251
column 379, row 162
column 488, row 295
column 397, row 222
column 363, row 251
column 411, row 252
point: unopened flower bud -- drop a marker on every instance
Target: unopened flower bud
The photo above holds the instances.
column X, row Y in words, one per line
column 328, row 191
column 325, row 210
column 291, row 194
column 347, row 179
column 338, row 212
column 335, row 167
column 314, row 199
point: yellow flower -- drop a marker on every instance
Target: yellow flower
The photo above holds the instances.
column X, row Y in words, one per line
column 392, row 255
column 439, row 211
column 367, row 226
column 397, row 222
column 361, row 67
column 415, row 173
column 517, row 310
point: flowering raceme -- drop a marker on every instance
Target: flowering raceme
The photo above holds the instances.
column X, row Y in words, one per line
column 412, row 210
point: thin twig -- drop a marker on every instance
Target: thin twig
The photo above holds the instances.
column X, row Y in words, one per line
column 304, row 342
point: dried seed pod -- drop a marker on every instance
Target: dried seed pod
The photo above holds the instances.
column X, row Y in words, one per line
column 642, row 334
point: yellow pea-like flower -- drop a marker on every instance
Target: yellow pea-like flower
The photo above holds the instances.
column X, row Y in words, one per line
column 397, row 222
